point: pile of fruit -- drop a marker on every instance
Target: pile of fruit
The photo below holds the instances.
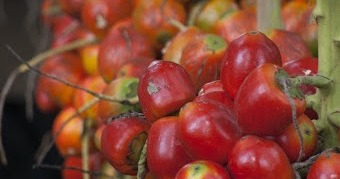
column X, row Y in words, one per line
column 183, row 89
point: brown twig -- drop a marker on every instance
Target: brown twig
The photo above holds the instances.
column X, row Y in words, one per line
column 41, row 155
column 95, row 94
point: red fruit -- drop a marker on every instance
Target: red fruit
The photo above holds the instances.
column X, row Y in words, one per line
column 122, row 142
column 220, row 96
column 203, row 169
column 68, row 141
column 95, row 163
column 67, row 67
column 48, row 15
column 124, row 88
column 215, row 85
column 165, row 154
column 175, row 47
column 243, row 55
column 255, row 157
column 261, row 106
column 207, row 130
column 122, row 45
column 100, row 15
column 289, row 139
column 81, row 98
column 297, row 17
column 291, row 45
column 151, row 18
column 202, row 58
column 305, row 66
column 71, row 7
column 163, row 89
column 326, row 166
column 236, row 23
column 135, row 68
column 43, row 100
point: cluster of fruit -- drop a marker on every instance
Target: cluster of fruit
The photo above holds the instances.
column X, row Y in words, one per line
column 213, row 98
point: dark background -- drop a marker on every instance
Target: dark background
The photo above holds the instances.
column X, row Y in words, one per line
column 21, row 29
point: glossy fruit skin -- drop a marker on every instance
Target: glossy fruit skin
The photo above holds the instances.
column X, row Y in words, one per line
column 262, row 108
column 289, row 140
column 220, row 96
column 100, row 15
column 291, row 45
column 123, row 151
column 163, row 89
column 151, row 19
column 165, row 154
column 304, row 66
column 207, row 130
column 243, row 55
column 202, row 58
column 69, row 140
column 135, row 68
column 255, row 157
column 215, row 85
column 122, row 45
column 236, row 23
column 326, row 166
column 203, row 169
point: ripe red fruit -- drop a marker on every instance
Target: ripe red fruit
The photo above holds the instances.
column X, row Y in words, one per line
column 151, row 18
column 71, row 7
column 243, row 55
column 207, row 130
column 203, row 169
column 43, row 101
column 122, row 142
column 289, row 139
column 236, row 23
column 100, row 15
column 163, row 89
column 255, row 157
column 326, row 166
column 122, row 45
column 261, row 106
column 202, row 58
column 291, row 45
column 165, row 154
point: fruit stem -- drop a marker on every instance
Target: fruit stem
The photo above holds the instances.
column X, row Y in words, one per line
column 317, row 81
column 142, row 162
column 85, row 148
column 55, row 51
column 327, row 14
column 269, row 15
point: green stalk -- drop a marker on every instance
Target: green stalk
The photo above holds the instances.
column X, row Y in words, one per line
column 269, row 15
column 327, row 14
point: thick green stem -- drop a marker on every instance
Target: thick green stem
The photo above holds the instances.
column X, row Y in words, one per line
column 327, row 14
column 269, row 15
